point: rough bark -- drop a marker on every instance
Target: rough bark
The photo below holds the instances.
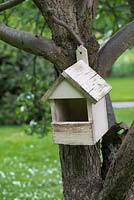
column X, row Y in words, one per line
column 110, row 144
column 80, row 164
column 35, row 44
column 130, row 194
column 78, row 19
column 121, row 172
column 80, row 171
column 110, row 112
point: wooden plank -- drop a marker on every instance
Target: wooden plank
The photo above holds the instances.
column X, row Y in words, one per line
column 89, row 110
column 81, row 54
column 100, row 122
column 73, row 133
column 65, row 90
column 52, row 104
column 81, row 123
column 51, row 90
column 87, row 81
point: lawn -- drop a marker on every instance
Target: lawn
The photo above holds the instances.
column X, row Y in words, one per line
column 124, row 114
column 122, row 89
column 29, row 166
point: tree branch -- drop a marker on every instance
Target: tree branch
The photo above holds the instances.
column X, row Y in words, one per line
column 121, row 172
column 110, row 144
column 9, row 4
column 71, row 31
column 120, row 42
column 36, row 45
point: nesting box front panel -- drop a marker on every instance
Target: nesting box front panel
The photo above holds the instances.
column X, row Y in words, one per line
column 71, row 123
column 72, row 133
column 100, row 121
column 65, row 91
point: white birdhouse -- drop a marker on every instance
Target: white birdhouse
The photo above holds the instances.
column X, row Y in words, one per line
column 78, row 107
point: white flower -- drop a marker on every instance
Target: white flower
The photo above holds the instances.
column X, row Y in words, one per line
column 33, row 123
column 2, row 174
column 18, row 183
column 12, row 173
column 28, row 97
column 31, row 171
column 22, row 108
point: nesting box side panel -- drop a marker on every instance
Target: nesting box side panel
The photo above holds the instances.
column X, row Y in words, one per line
column 53, row 112
column 100, row 121
column 89, row 110
column 90, row 114
column 57, row 111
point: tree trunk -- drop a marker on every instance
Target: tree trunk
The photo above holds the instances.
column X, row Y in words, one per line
column 80, row 164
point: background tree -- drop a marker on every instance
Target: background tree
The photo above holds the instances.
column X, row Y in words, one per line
column 71, row 25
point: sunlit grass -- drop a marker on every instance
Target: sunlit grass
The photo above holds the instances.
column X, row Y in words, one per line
column 29, row 166
column 124, row 114
column 122, row 89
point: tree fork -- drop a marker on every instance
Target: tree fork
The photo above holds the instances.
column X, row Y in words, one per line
column 80, row 164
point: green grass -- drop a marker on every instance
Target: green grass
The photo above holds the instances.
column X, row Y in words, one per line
column 29, row 166
column 124, row 114
column 122, row 89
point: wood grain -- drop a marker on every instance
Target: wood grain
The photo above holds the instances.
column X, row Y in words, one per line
column 86, row 80
column 72, row 133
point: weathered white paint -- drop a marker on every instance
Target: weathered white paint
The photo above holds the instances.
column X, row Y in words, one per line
column 85, row 79
column 100, row 122
column 81, row 54
column 76, row 120
column 65, row 91
column 72, row 133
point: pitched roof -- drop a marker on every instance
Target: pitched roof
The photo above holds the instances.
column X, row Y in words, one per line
column 85, row 79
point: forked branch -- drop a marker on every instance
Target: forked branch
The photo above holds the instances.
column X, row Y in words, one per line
column 9, row 4
column 34, row 44
column 121, row 172
column 61, row 23
column 120, row 42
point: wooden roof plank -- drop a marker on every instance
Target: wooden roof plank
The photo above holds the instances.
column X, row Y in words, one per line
column 85, row 78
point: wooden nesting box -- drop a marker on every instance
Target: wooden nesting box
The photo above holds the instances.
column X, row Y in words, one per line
column 78, row 106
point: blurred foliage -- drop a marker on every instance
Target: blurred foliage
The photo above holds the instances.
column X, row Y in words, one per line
column 110, row 17
column 29, row 107
column 25, row 77
column 124, row 66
